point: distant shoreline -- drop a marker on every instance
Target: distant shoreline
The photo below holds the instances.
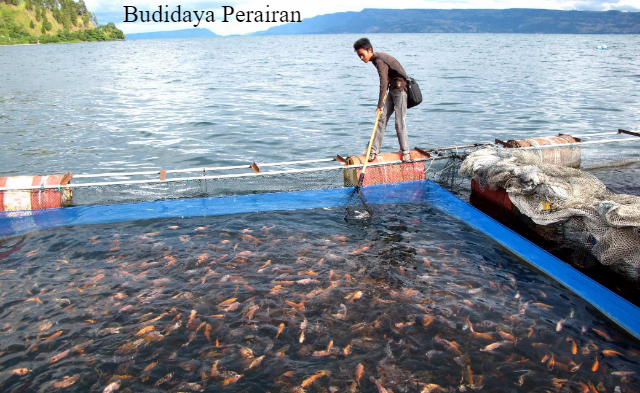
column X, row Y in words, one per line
column 57, row 43
column 373, row 34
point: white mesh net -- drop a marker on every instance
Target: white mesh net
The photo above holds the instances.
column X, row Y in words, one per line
column 604, row 223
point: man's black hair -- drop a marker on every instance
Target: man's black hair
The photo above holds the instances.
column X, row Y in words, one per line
column 362, row 43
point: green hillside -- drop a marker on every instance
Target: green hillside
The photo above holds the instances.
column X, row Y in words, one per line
column 51, row 21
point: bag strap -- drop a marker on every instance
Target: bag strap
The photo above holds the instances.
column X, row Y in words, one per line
column 402, row 74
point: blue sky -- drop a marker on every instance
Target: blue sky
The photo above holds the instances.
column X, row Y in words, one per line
column 114, row 11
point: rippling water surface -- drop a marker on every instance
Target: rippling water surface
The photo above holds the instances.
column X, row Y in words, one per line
column 186, row 103
column 292, row 300
column 286, row 301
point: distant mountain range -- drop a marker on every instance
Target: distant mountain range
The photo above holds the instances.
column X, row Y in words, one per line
column 186, row 33
column 517, row 20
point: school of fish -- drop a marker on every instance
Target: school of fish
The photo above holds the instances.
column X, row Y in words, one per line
column 259, row 305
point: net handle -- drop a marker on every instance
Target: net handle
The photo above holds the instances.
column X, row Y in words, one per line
column 373, row 135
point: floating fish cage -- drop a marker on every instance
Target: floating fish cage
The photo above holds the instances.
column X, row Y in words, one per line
column 252, row 290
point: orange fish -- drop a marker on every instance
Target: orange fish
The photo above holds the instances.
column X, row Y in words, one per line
column 149, row 367
column 312, row 378
column 145, row 330
column 493, row 346
column 280, row 329
column 261, row 268
column 595, row 365
column 602, row 334
column 207, row 330
column 431, row 387
column 232, row 379
column 20, row 371
column 608, row 352
column 484, row 335
column 32, row 253
column 354, row 296
column 427, row 319
column 54, row 335
column 233, row 299
column 276, row 290
column 297, row 306
column 359, row 372
column 358, row 251
column 66, row 381
column 153, row 336
column 154, row 319
column 34, row 299
column 59, row 356
column 255, row 363
column 381, row 388
column 506, row 336
column 574, row 367
column 467, row 375
column 164, row 379
column 112, row 387
column 214, row 369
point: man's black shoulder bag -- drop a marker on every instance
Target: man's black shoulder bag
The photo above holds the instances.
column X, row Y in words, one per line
column 414, row 95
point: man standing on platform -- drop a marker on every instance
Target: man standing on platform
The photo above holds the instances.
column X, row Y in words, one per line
column 392, row 81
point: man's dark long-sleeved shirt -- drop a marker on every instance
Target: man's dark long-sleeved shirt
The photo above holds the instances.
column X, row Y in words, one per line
column 388, row 78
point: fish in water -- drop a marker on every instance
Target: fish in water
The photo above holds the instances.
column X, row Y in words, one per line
column 297, row 312
column 112, row 387
column 359, row 372
column 314, row 377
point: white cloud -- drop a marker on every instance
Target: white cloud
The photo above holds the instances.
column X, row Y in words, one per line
column 115, row 12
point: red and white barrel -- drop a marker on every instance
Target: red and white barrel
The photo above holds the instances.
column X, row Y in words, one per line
column 563, row 156
column 21, row 196
column 390, row 173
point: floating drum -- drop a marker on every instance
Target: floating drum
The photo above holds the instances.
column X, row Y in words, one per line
column 21, row 197
column 563, row 156
column 498, row 197
column 387, row 173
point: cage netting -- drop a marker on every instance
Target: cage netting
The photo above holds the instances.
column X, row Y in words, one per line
column 604, row 223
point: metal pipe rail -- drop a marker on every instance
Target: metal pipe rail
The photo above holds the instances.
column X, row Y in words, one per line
column 222, row 168
column 577, row 144
column 231, row 176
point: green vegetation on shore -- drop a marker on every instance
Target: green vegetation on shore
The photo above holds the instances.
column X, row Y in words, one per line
column 51, row 21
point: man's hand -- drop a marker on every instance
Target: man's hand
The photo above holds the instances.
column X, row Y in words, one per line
column 378, row 111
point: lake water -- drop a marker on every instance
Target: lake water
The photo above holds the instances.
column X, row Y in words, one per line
column 92, row 107
column 193, row 304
